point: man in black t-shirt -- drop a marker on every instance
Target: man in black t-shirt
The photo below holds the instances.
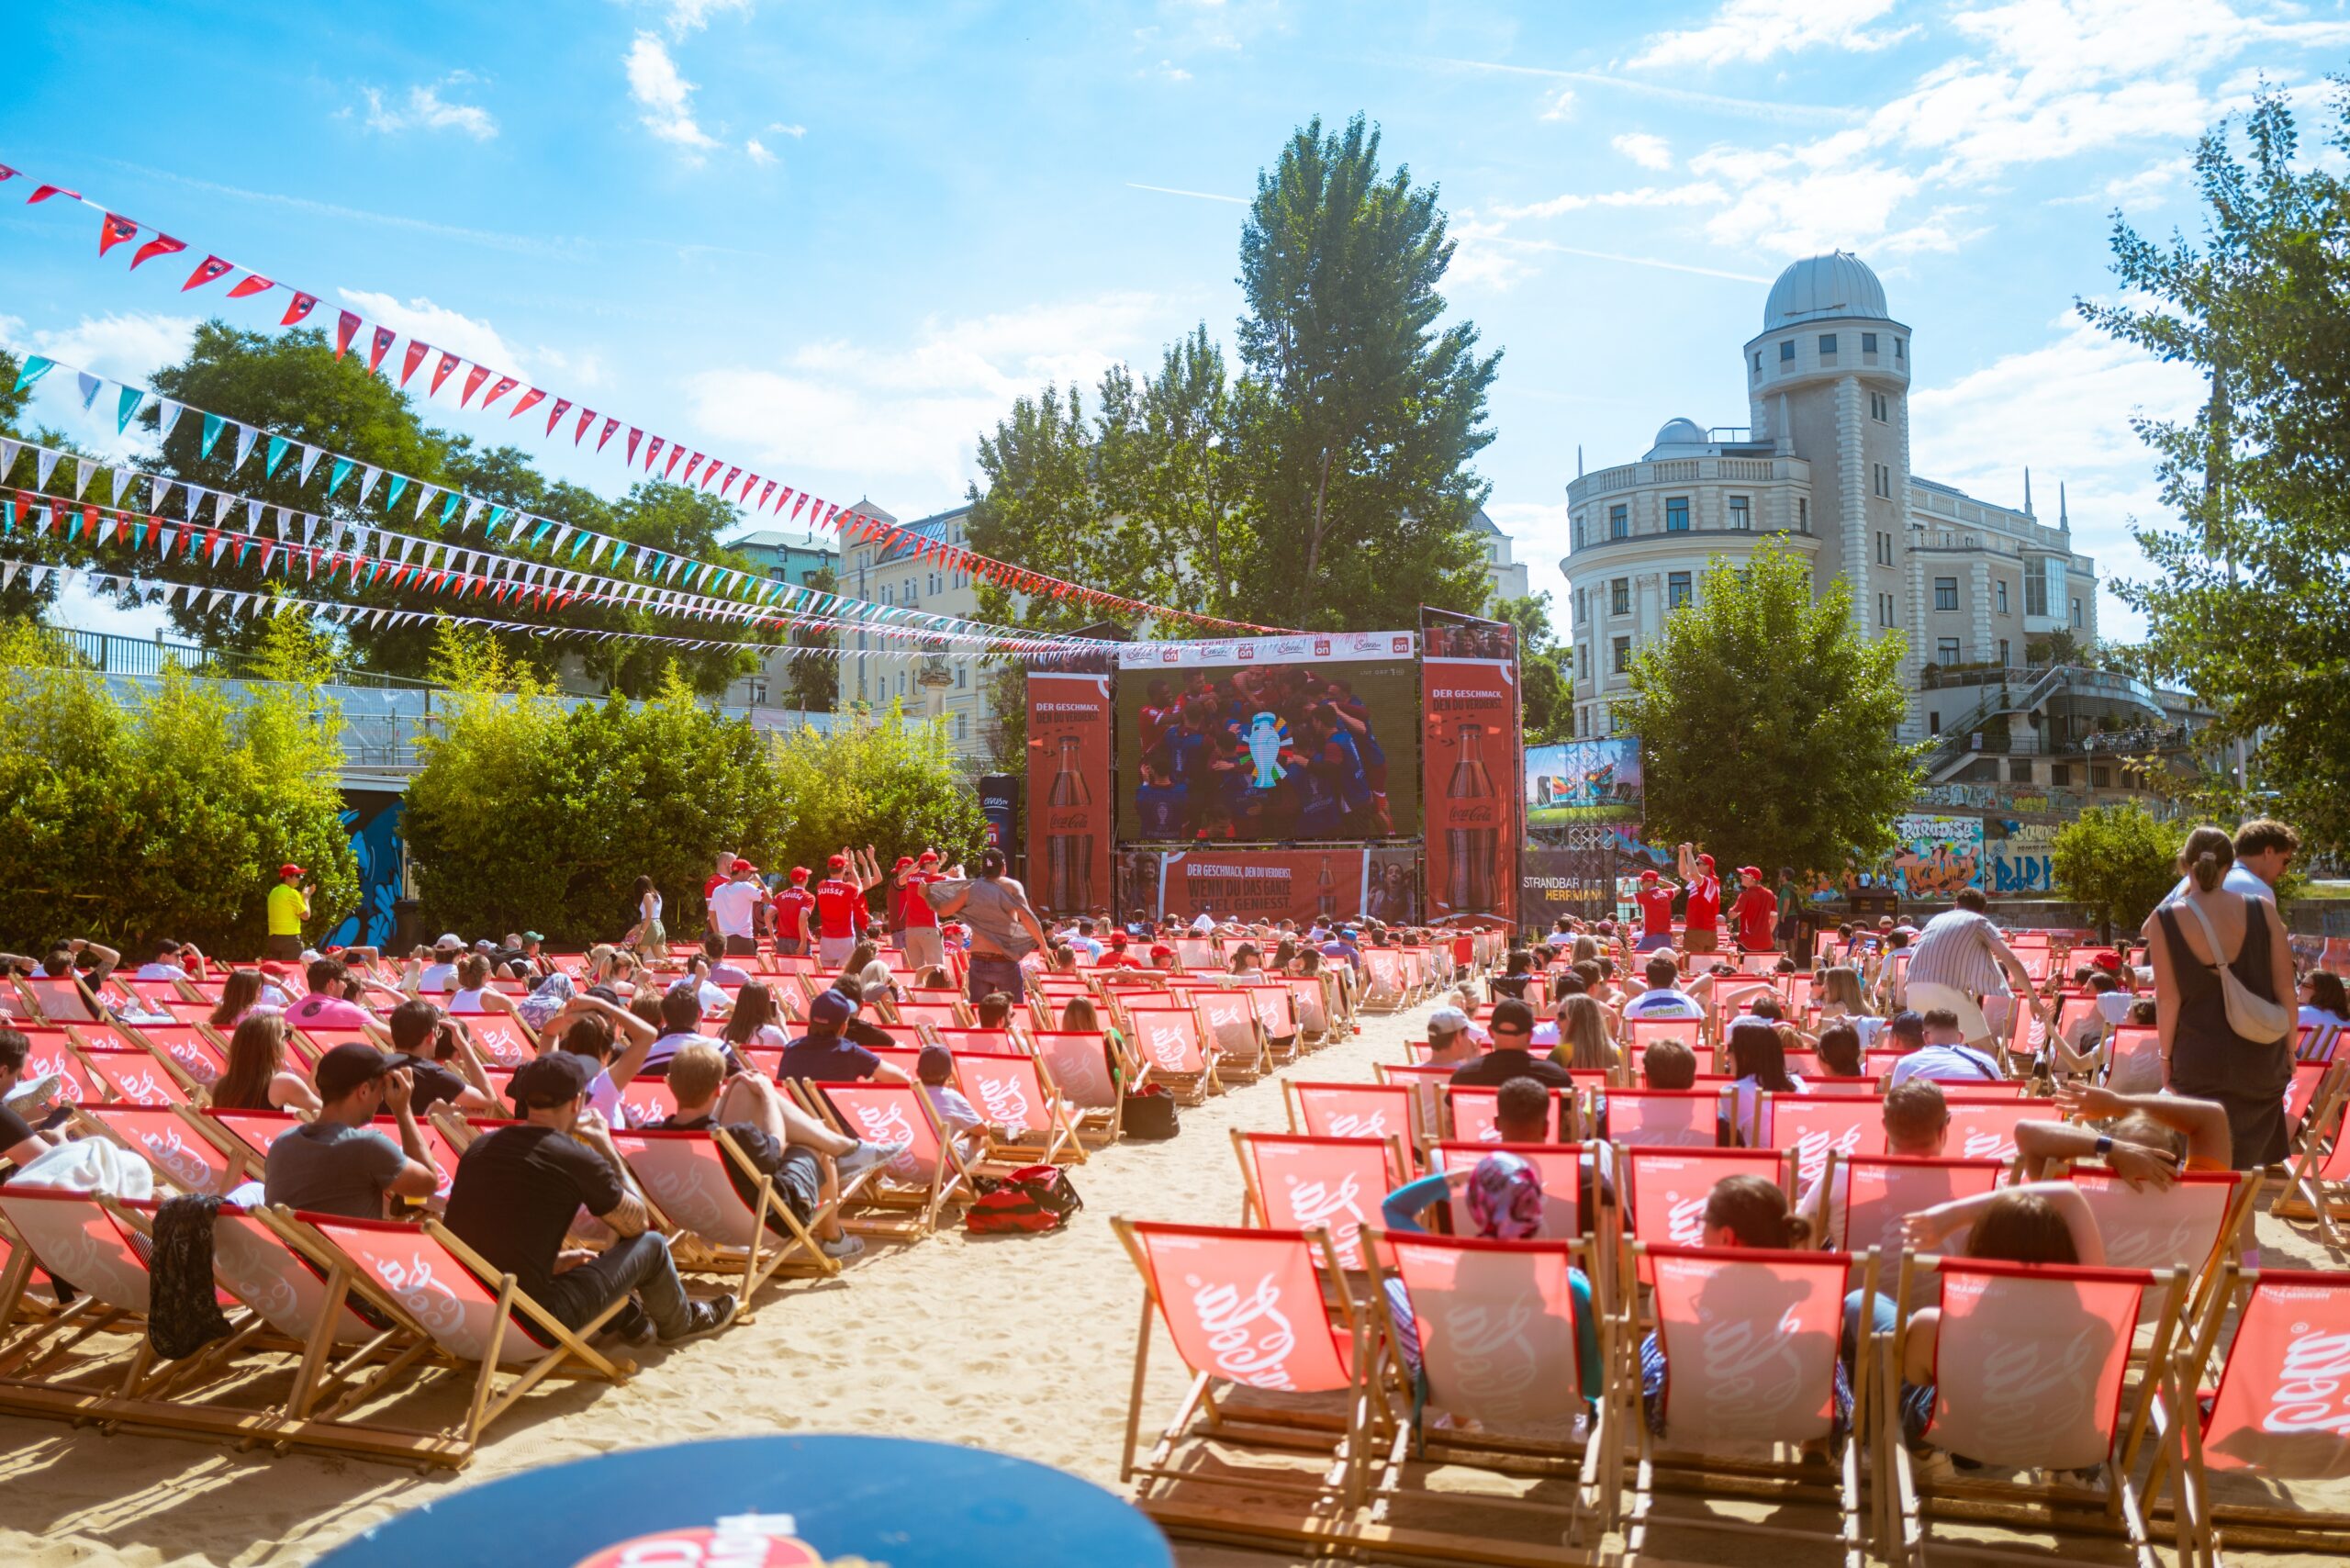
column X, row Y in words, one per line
column 425, row 1046
column 1512, row 1027
column 826, row 1054
column 750, row 1109
column 517, row 1187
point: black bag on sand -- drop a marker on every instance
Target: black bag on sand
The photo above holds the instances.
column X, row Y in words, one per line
column 1032, row 1198
column 1149, row 1113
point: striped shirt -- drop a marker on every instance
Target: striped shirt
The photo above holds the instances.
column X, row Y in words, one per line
column 1955, row 951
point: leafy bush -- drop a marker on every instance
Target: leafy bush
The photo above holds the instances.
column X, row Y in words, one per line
column 890, row 782
column 129, row 813
column 2119, row 861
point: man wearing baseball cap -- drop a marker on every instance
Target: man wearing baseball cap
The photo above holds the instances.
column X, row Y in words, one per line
column 794, row 908
column 840, row 913
column 923, row 945
column 340, row 1165
column 823, row 1055
column 1655, row 901
column 1757, row 911
column 734, row 909
column 1701, row 918
column 289, row 906
column 519, row 1186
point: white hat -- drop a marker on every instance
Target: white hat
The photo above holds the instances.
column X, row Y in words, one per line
column 450, row 940
column 1447, row 1021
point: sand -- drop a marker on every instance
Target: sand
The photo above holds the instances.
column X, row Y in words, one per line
column 1021, row 1344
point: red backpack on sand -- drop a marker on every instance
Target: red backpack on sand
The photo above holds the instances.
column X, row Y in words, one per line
column 1032, row 1198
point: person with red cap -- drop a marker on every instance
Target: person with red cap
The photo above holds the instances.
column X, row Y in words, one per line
column 793, row 907
column 923, row 945
column 840, row 913
column 289, row 906
column 1757, row 911
column 1655, row 901
column 734, row 908
column 1702, row 915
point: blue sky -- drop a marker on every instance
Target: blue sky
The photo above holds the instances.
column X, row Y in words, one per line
column 833, row 242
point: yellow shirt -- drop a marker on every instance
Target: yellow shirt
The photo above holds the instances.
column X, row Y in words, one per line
column 285, row 903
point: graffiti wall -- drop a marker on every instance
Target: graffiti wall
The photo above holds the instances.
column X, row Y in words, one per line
column 1938, row 855
column 2020, row 863
column 373, row 819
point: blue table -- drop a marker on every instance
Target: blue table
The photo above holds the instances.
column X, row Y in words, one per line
column 893, row 1500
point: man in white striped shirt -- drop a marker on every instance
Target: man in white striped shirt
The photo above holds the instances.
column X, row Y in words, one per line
column 1960, row 958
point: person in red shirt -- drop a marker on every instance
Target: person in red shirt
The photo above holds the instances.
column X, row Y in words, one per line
column 1757, row 911
column 923, row 945
column 725, row 872
column 840, row 914
column 793, row 907
column 1115, row 953
column 1655, row 901
column 1702, row 916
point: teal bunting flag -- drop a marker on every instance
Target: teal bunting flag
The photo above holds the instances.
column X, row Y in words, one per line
column 687, row 580
column 7, row 517
column 449, row 507
column 278, row 447
column 335, row 476
column 213, row 424
column 126, row 406
column 138, row 536
column 33, row 369
column 489, row 529
column 546, row 526
column 583, row 539
column 392, row 496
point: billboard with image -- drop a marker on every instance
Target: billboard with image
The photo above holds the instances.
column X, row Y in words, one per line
column 1584, row 781
column 1269, row 739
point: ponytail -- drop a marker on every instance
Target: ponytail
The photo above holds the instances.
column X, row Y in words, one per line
column 2207, row 855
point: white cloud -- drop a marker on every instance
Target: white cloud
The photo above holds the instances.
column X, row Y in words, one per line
column 442, row 328
column 1172, row 71
column 425, row 109
column 691, row 16
column 903, row 420
column 1562, row 105
column 667, row 97
column 1649, row 151
column 1481, row 257
column 1701, row 192
column 758, row 155
column 1757, row 29
column 128, row 348
column 779, row 129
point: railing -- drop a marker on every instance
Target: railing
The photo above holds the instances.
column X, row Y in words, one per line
column 110, row 653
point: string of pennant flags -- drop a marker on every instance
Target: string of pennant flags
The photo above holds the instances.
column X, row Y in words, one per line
column 746, row 488
column 438, row 565
column 245, row 605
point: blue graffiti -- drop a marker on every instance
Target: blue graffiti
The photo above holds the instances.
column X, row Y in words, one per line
column 2022, row 873
column 375, row 842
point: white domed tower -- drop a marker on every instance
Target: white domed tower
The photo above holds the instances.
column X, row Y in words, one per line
column 1827, row 380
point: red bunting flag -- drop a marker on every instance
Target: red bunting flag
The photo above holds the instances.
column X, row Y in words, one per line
column 250, row 285
column 652, row 451
column 763, row 495
column 161, row 245
column 796, row 505
column 730, row 476
column 303, row 304
column 579, row 430
column 42, row 193
column 674, row 453
column 473, row 379
column 112, row 230
column 209, row 270
column 346, row 326
column 449, row 361
column 561, row 404
column 505, row 383
column 416, row 349
column 385, row 338
column 690, row 466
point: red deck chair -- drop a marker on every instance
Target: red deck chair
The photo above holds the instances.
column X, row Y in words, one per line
column 646, row 1099
column 996, row 1042
column 62, row 999
column 1642, row 1032
column 1354, row 1110
column 1563, row 1167
column 686, row 1174
column 1079, row 1061
column 1983, row 1124
column 190, row 1049
column 1176, row 1049
column 502, row 1038
column 1871, row 1195
column 247, row 1135
column 52, row 1052
column 2194, row 1225
column 1297, row 1182
column 1665, row 1189
column 135, row 1077
column 1666, row 1118
column 1813, row 1127
column 1475, row 1107
column 1010, row 1089
column 1247, row 1318
column 1229, row 1019
column 168, row 1138
column 905, row 1198
column 1277, row 1013
column 951, row 1013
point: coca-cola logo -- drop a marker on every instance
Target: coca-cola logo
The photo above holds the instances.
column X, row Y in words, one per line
column 1004, row 1100
column 888, row 1123
column 1337, row 1205
column 1249, row 1338
column 2308, row 1395
column 1753, row 1376
column 1686, row 1219
column 1355, row 1123
column 1167, row 1047
column 180, row 1162
column 2027, row 1389
column 1490, row 1355
column 1812, row 1149
column 1988, row 1143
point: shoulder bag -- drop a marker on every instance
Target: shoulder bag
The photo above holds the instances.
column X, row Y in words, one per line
column 2256, row 1018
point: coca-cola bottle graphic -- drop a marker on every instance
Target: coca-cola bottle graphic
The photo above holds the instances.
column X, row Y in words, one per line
column 1069, row 839
column 1472, row 831
column 1326, row 888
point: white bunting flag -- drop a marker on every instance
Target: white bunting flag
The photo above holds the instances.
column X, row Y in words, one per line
column 310, row 455
column 171, row 412
column 45, row 461
column 162, row 487
column 247, row 435
column 367, row 478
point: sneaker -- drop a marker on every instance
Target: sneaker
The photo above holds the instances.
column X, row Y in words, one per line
column 844, row 1249
column 630, row 1326
column 27, row 1097
column 867, row 1154
column 704, row 1318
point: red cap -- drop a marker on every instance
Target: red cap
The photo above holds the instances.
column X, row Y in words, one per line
column 836, row 862
column 1753, row 871
column 2110, row 962
column 1162, row 951
column 1117, row 939
column 1648, row 876
column 928, row 858
column 742, row 864
column 290, row 869
column 800, row 873
column 1706, row 861
column 903, row 861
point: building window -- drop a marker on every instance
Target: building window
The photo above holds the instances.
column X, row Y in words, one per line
column 1582, row 661
column 1676, row 589
column 1881, row 479
column 1880, row 406
column 1578, row 533
column 1619, row 522
column 1676, row 514
column 1787, row 352
column 754, row 692
column 2004, row 660
column 1885, row 610
column 1946, row 650
column 1758, row 359
column 1623, row 655
column 1828, row 345
column 2019, row 770
column 1933, row 724
column 2100, row 777
column 2076, row 612
column 1884, row 548
column 1868, row 343
column 1898, row 344
column 960, row 672
column 1945, row 593
column 1999, row 592
column 1803, row 514
column 2059, row 774
column 1619, row 596
column 1741, row 517
column 2035, row 591
column 962, row 726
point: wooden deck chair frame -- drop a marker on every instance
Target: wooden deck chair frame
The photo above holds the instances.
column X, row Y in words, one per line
column 797, row 1251
column 1248, row 1064
column 1054, row 1142
column 236, row 1165
column 1780, row 1477
column 1256, row 1212
column 1096, row 1125
column 1243, row 1509
column 1188, row 1088
column 2200, row 1523
column 893, row 1210
column 1908, row 1509
column 2309, row 1191
column 1592, row 1466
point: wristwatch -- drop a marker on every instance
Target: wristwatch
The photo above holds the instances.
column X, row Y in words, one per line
column 2104, row 1145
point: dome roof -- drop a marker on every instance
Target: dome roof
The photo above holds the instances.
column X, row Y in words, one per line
column 1836, row 285
column 1680, row 433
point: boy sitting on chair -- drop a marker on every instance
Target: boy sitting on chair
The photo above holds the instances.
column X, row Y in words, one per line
column 802, row 1160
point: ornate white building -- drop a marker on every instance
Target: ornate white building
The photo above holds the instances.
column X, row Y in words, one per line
column 1822, row 467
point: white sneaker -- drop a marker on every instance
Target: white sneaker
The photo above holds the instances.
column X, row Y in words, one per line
column 847, row 1246
column 867, row 1154
column 26, row 1098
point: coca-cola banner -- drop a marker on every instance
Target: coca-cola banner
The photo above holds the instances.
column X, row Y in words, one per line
column 1069, row 792
column 1471, row 750
column 1266, row 885
column 1000, row 803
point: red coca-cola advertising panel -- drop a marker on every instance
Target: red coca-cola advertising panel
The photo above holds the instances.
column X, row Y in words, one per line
column 1268, row 885
column 1070, row 793
column 1471, row 750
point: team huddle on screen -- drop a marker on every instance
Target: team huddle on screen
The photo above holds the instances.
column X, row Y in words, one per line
column 1275, row 753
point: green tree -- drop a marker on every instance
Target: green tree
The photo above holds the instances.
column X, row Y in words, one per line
column 890, row 782
column 531, row 811
column 1767, row 722
column 815, row 678
column 2117, row 862
column 130, row 811
column 1546, row 685
column 2248, row 588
